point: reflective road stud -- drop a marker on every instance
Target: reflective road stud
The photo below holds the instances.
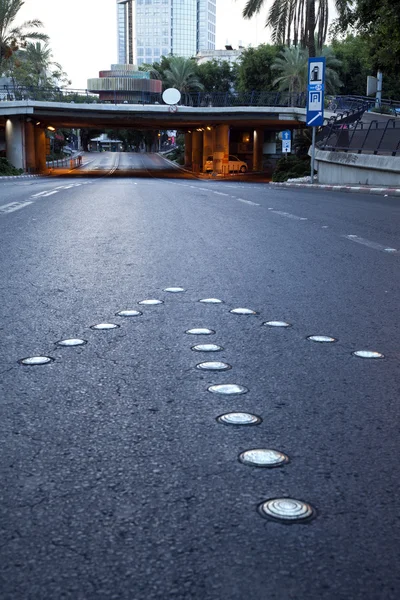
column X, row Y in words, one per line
column 239, row 418
column 368, row 354
column 287, row 510
column 228, row 389
column 263, row 457
column 151, row 302
column 213, row 366
column 200, row 331
column 207, row 348
column 321, row 339
column 33, row 361
column 242, row 311
column 71, row 342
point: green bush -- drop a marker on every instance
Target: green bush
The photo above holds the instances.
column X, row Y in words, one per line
column 291, row 166
column 7, row 169
column 382, row 110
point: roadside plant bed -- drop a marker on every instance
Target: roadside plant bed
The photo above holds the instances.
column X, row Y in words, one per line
column 7, row 169
column 291, row 167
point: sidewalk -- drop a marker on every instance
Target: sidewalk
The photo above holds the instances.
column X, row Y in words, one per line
column 360, row 189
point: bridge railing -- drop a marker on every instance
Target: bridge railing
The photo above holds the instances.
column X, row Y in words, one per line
column 375, row 137
column 345, row 103
column 197, row 100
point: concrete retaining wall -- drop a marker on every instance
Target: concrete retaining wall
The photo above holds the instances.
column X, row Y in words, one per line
column 339, row 168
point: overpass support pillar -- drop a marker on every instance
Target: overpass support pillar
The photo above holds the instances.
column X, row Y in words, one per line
column 221, row 149
column 188, row 149
column 258, row 143
column 30, row 154
column 40, row 150
column 207, row 145
column 197, row 151
column 15, row 142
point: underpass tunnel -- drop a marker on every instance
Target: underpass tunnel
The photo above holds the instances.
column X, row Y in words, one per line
column 212, row 146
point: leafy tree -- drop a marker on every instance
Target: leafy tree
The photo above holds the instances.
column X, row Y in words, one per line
column 379, row 25
column 86, row 136
column 129, row 137
column 216, row 76
column 13, row 37
column 356, row 63
column 292, row 65
column 254, row 70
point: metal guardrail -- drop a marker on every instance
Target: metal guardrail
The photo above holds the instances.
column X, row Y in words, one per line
column 376, row 137
column 197, row 100
column 72, row 162
column 344, row 103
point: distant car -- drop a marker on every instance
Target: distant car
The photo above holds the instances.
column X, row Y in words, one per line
column 235, row 165
column 68, row 151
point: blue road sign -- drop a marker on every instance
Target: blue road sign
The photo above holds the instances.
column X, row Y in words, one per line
column 286, row 141
column 315, row 91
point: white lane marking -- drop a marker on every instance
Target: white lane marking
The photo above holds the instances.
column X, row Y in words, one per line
column 289, row 215
column 248, row 202
column 374, row 245
column 68, row 187
column 39, row 194
column 324, row 226
column 49, row 194
column 221, row 194
column 13, row 206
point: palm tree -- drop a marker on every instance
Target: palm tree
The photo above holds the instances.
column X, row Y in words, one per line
column 39, row 59
column 295, row 21
column 182, row 75
column 292, row 68
column 14, row 37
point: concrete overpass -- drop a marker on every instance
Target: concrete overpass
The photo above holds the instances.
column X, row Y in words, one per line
column 207, row 129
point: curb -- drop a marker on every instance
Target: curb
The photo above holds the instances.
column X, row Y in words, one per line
column 19, row 176
column 342, row 188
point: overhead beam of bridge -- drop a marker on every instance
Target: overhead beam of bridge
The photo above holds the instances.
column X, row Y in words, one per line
column 63, row 114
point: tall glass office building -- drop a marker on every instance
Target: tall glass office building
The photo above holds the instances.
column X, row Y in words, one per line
column 149, row 29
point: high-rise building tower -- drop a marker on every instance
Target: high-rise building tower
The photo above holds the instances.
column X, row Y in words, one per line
column 125, row 31
column 149, row 29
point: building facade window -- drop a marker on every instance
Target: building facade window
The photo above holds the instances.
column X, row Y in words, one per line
column 149, row 29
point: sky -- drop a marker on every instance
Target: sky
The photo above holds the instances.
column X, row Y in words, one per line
column 83, row 33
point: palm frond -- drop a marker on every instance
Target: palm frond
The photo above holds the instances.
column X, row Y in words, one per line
column 252, row 8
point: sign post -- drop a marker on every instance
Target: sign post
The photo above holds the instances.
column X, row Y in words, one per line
column 286, row 141
column 315, row 100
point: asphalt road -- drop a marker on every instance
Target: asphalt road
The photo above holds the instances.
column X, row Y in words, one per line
column 117, row 480
column 126, row 164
